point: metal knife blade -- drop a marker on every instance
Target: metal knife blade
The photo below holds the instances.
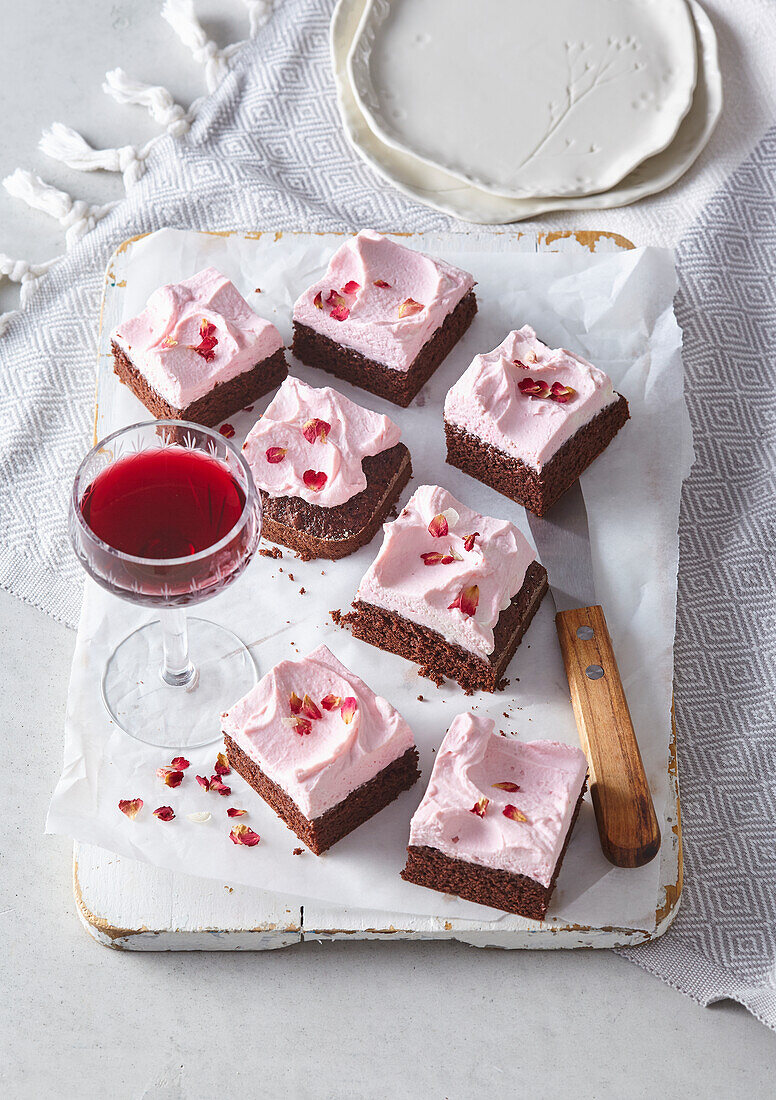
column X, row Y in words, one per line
column 562, row 538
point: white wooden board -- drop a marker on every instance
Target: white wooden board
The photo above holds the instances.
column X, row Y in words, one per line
column 127, row 904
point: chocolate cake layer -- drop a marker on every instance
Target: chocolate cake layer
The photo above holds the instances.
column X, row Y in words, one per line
column 320, row 351
column 315, row 532
column 225, row 399
column 440, row 659
column 486, row 885
column 534, row 489
column 356, row 808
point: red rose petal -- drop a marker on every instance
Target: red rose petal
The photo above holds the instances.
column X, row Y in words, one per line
column 276, row 454
column 222, row 765
column 561, row 393
column 382, row 284
column 303, row 726
column 531, row 387
column 203, row 782
column 331, row 702
column 295, row 703
column 233, row 812
column 480, row 807
column 242, row 834
column 468, row 542
column 466, row 601
column 207, row 341
column 348, row 709
column 164, row 813
column 318, row 300
column 433, row 557
column 438, row 526
column 514, row 814
column 340, row 313
column 180, row 763
column 351, row 287
column 410, row 307
column 505, row 786
column 309, row 709
column 171, row 776
column 315, row 480
column 131, row 807
column 517, row 363
column 217, row 785
column 316, row 429
column 227, row 431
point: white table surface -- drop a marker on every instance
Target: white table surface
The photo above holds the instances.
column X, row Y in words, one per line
column 346, row 1020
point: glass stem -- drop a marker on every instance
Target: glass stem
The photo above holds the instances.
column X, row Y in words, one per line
column 177, row 669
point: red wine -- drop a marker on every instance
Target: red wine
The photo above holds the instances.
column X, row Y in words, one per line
column 167, row 502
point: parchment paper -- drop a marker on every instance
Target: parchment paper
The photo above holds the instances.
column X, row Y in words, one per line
column 615, row 309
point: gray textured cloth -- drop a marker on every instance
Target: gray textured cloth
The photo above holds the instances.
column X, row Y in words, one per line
column 266, row 151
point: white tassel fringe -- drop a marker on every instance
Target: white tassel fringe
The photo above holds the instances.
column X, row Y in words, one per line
column 27, row 275
column 74, row 215
column 157, row 101
column 180, row 15
column 70, row 148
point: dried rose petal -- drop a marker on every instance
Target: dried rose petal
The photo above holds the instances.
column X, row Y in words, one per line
column 517, row 363
column 505, row 786
column 561, row 393
column 318, row 300
column 168, row 342
column 171, row 776
column 452, row 555
column 227, row 431
column 242, row 834
column 309, row 709
column 468, row 542
column 340, row 313
column 200, row 817
column 514, row 814
column 348, row 709
column 410, row 307
column 480, row 807
column 207, row 341
column 382, row 284
column 295, row 703
column 276, row 454
column 216, row 784
column 180, row 763
column 315, row 480
column 222, row 765
column 351, row 287
column 131, row 807
column 466, row 601
column 331, row 702
column 203, row 782
column 233, row 812
column 531, row 387
column 433, row 557
column 439, row 526
column 301, row 725
column 164, row 813
column 316, row 429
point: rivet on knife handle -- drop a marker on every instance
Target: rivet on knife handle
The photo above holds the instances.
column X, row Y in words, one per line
column 627, row 824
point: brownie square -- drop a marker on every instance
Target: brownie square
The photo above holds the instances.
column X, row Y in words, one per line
column 383, row 316
column 528, row 793
column 322, row 750
column 527, row 420
column 328, row 470
column 444, row 608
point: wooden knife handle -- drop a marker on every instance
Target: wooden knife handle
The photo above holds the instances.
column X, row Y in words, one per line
column 627, row 824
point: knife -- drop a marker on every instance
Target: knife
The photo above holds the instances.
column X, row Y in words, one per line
column 627, row 824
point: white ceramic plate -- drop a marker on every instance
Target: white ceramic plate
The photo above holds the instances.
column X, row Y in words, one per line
column 445, row 192
column 526, row 98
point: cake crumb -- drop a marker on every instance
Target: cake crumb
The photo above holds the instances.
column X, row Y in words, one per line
column 271, row 553
column 322, row 573
column 420, row 698
column 505, row 714
column 302, row 591
column 336, row 617
column 290, row 576
column 257, row 290
column 298, row 852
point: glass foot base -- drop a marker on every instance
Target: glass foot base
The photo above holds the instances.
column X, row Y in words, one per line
column 144, row 706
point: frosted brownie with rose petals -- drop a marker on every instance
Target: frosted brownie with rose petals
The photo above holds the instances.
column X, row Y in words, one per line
column 198, row 351
column 320, row 747
column 450, row 589
column 383, row 317
column 328, row 470
column 496, row 819
column 528, row 420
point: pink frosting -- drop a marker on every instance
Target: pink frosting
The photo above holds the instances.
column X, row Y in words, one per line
column 487, row 403
column 372, row 325
column 353, row 433
column 160, row 341
column 320, row 768
column 399, row 580
column 471, row 759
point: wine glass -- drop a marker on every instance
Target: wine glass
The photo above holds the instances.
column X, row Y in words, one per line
column 165, row 514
